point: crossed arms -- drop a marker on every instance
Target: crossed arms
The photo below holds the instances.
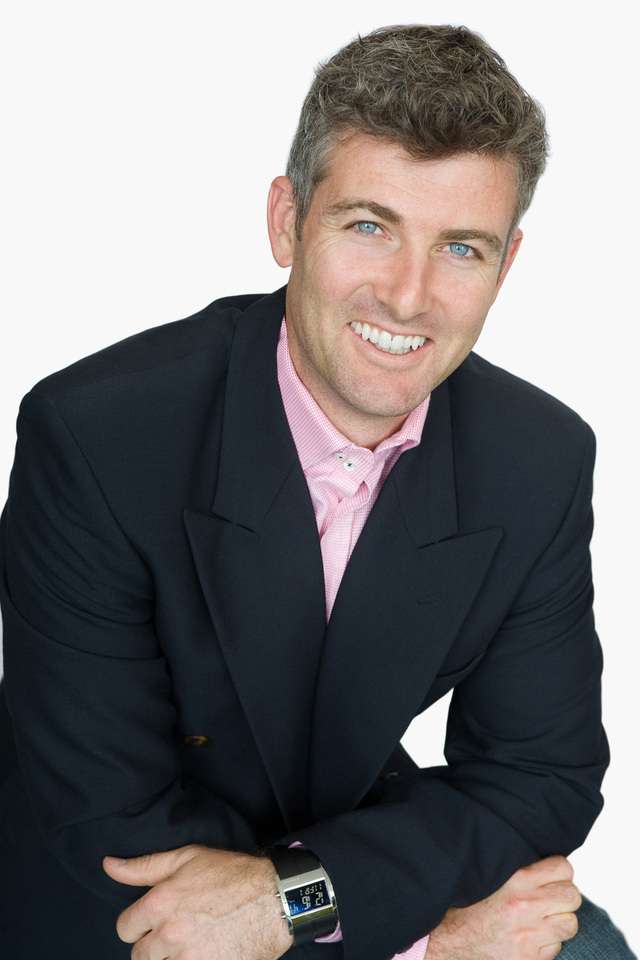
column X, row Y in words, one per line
column 94, row 724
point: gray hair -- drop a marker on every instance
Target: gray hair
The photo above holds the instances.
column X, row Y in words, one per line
column 436, row 90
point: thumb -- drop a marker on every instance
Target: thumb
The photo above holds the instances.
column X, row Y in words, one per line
column 149, row 868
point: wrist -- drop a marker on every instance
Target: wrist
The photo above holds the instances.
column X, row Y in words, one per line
column 441, row 947
column 281, row 936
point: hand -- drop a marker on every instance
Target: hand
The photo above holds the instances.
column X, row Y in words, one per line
column 525, row 919
column 205, row 903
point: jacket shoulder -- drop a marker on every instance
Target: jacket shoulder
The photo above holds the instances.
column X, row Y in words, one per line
column 491, row 394
column 209, row 331
column 524, row 447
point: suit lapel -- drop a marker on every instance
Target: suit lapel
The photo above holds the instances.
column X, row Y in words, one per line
column 404, row 595
column 326, row 703
column 258, row 558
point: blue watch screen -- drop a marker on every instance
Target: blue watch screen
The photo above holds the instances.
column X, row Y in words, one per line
column 308, row 897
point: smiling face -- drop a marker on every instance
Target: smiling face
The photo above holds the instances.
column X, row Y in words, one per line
column 413, row 248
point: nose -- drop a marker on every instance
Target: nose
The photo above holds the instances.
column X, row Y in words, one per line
column 406, row 284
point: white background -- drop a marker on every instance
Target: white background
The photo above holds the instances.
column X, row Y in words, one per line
column 139, row 142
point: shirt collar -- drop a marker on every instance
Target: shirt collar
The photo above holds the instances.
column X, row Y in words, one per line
column 314, row 435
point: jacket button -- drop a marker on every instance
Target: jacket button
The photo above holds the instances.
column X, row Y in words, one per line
column 391, row 773
column 195, row 740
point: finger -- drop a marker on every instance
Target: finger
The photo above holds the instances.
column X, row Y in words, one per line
column 158, row 949
column 544, row 871
column 139, row 919
column 556, row 867
column 118, row 871
column 559, row 896
column 149, row 868
column 149, row 947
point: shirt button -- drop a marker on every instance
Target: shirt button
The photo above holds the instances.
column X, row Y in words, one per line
column 348, row 465
column 340, row 456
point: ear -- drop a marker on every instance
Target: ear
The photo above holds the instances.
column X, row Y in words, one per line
column 514, row 246
column 281, row 220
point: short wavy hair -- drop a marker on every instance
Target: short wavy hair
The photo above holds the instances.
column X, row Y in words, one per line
column 436, row 90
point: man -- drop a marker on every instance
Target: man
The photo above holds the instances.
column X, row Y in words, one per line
column 243, row 550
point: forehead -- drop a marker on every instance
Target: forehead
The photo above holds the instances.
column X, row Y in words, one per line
column 462, row 186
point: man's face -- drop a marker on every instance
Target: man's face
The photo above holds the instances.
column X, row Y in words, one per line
column 418, row 253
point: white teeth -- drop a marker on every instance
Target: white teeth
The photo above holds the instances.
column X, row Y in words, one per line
column 384, row 341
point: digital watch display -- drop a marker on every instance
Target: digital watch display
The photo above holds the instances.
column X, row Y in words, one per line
column 306, row 893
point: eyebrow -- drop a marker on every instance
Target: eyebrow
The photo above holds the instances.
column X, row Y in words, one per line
column 492, row 240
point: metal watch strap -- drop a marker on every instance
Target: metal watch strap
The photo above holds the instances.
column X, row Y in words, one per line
column 291, row 862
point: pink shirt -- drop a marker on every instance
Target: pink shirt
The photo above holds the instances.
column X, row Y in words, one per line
column 344, row 481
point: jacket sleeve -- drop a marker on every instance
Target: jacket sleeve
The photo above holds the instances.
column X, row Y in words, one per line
column 526, row 755
column 88, row 689
column 417, row 950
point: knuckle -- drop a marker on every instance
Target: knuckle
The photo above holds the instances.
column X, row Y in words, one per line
column 550, row 951
column 521, row 938
column 567, row 892
column 174, row 932
column 558, row 862
column 154, row 903
column 559, row 866
column 516, row 906
column 526, row 870
column 577, row 898
column 565, row 867
column 564, row 891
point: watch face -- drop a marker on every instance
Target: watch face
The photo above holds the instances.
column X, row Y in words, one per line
column 310, row 896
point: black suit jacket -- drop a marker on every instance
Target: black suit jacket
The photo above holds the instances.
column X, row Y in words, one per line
column 162, row 583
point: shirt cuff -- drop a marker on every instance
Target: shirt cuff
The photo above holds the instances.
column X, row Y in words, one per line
column 416, row 951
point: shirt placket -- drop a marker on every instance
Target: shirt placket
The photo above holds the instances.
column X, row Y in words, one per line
column 337, row 541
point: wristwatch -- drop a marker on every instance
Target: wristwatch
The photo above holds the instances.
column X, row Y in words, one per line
column 305, row 891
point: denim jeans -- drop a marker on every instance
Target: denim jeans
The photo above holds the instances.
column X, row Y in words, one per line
column 597, row 938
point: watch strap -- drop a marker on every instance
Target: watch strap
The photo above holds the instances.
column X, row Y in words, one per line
column 290, row 861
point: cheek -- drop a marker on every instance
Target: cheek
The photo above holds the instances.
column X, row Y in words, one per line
column 467, row 295
column 339, row 270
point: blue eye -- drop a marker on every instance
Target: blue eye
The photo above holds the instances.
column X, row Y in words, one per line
column 367, row 223
column 460, row 249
